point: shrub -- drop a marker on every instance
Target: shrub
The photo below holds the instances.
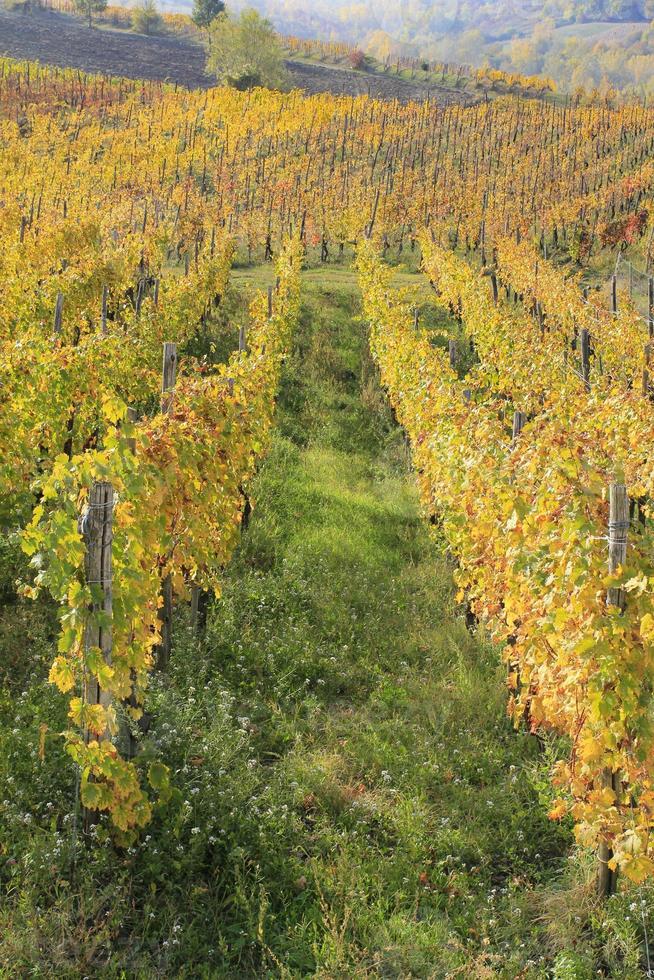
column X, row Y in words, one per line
column 206, row 11
column 245, row 51
column 146, row 19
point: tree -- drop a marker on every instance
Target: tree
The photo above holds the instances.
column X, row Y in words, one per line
column 245, row 51
column 357, row 59
column 206, row 11
column 90, row 7
column 146, row 19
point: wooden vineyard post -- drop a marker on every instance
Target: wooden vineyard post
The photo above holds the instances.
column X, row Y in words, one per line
column 199, row 605
column 648, row 354
column 140, row 294
column 270, row 302
column 453, row 354
column 195, row 607
column 614, row 294
column 103, row 311
column 168, row 378
column 130, row 743
column 58, row 314
column 416, row 319
column 96, row 527
column 650, row 306
column 164, row 648
column 584, row 343
column 618, row 532
column 242, row 340
column 519, row 420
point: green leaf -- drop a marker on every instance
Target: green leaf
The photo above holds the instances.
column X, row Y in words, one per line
column 92, row 795
column 159, row 776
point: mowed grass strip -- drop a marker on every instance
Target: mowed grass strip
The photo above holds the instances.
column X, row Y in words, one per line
column 350, row 799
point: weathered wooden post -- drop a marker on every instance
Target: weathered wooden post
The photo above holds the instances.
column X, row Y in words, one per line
column 618, row 533
column 519, row 421
column 164, row 648
column 416, row 319
column 58, row 314
column 270, row 302
column 96, row 528
column 584, row 344
column 242, row 339
column 199, row 607
column 614, row 294
column 130, row 743
column 168, row 378
column 648, row 354
column 140, row 295
column 103, row 313
column 453, row 354
column 650, row 306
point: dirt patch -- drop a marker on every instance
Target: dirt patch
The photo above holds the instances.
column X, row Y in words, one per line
column 317, row 78
column 57, row 39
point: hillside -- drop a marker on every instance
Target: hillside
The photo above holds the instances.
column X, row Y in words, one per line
column 586, row 43
column 326, row 526
column 58, row 39
column 420, row 22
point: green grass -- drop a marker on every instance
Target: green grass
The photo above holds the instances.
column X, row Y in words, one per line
column 350, row 799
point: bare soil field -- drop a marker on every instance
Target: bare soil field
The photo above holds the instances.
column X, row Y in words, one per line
column 58, row 39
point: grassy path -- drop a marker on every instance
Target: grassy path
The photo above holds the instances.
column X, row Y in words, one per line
column 350, row 800
column 413, row 826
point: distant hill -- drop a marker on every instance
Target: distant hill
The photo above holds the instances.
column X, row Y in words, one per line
column 600, row 44
column 59, row 39
column 423, row 21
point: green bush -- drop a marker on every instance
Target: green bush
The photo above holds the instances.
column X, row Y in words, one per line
column 146, row 18
column 245, row 52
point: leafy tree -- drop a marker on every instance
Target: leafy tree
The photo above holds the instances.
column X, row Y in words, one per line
column 357, row 59
column 146, row 19
column 245, row 51
column 206, row 11
column 90, row 7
